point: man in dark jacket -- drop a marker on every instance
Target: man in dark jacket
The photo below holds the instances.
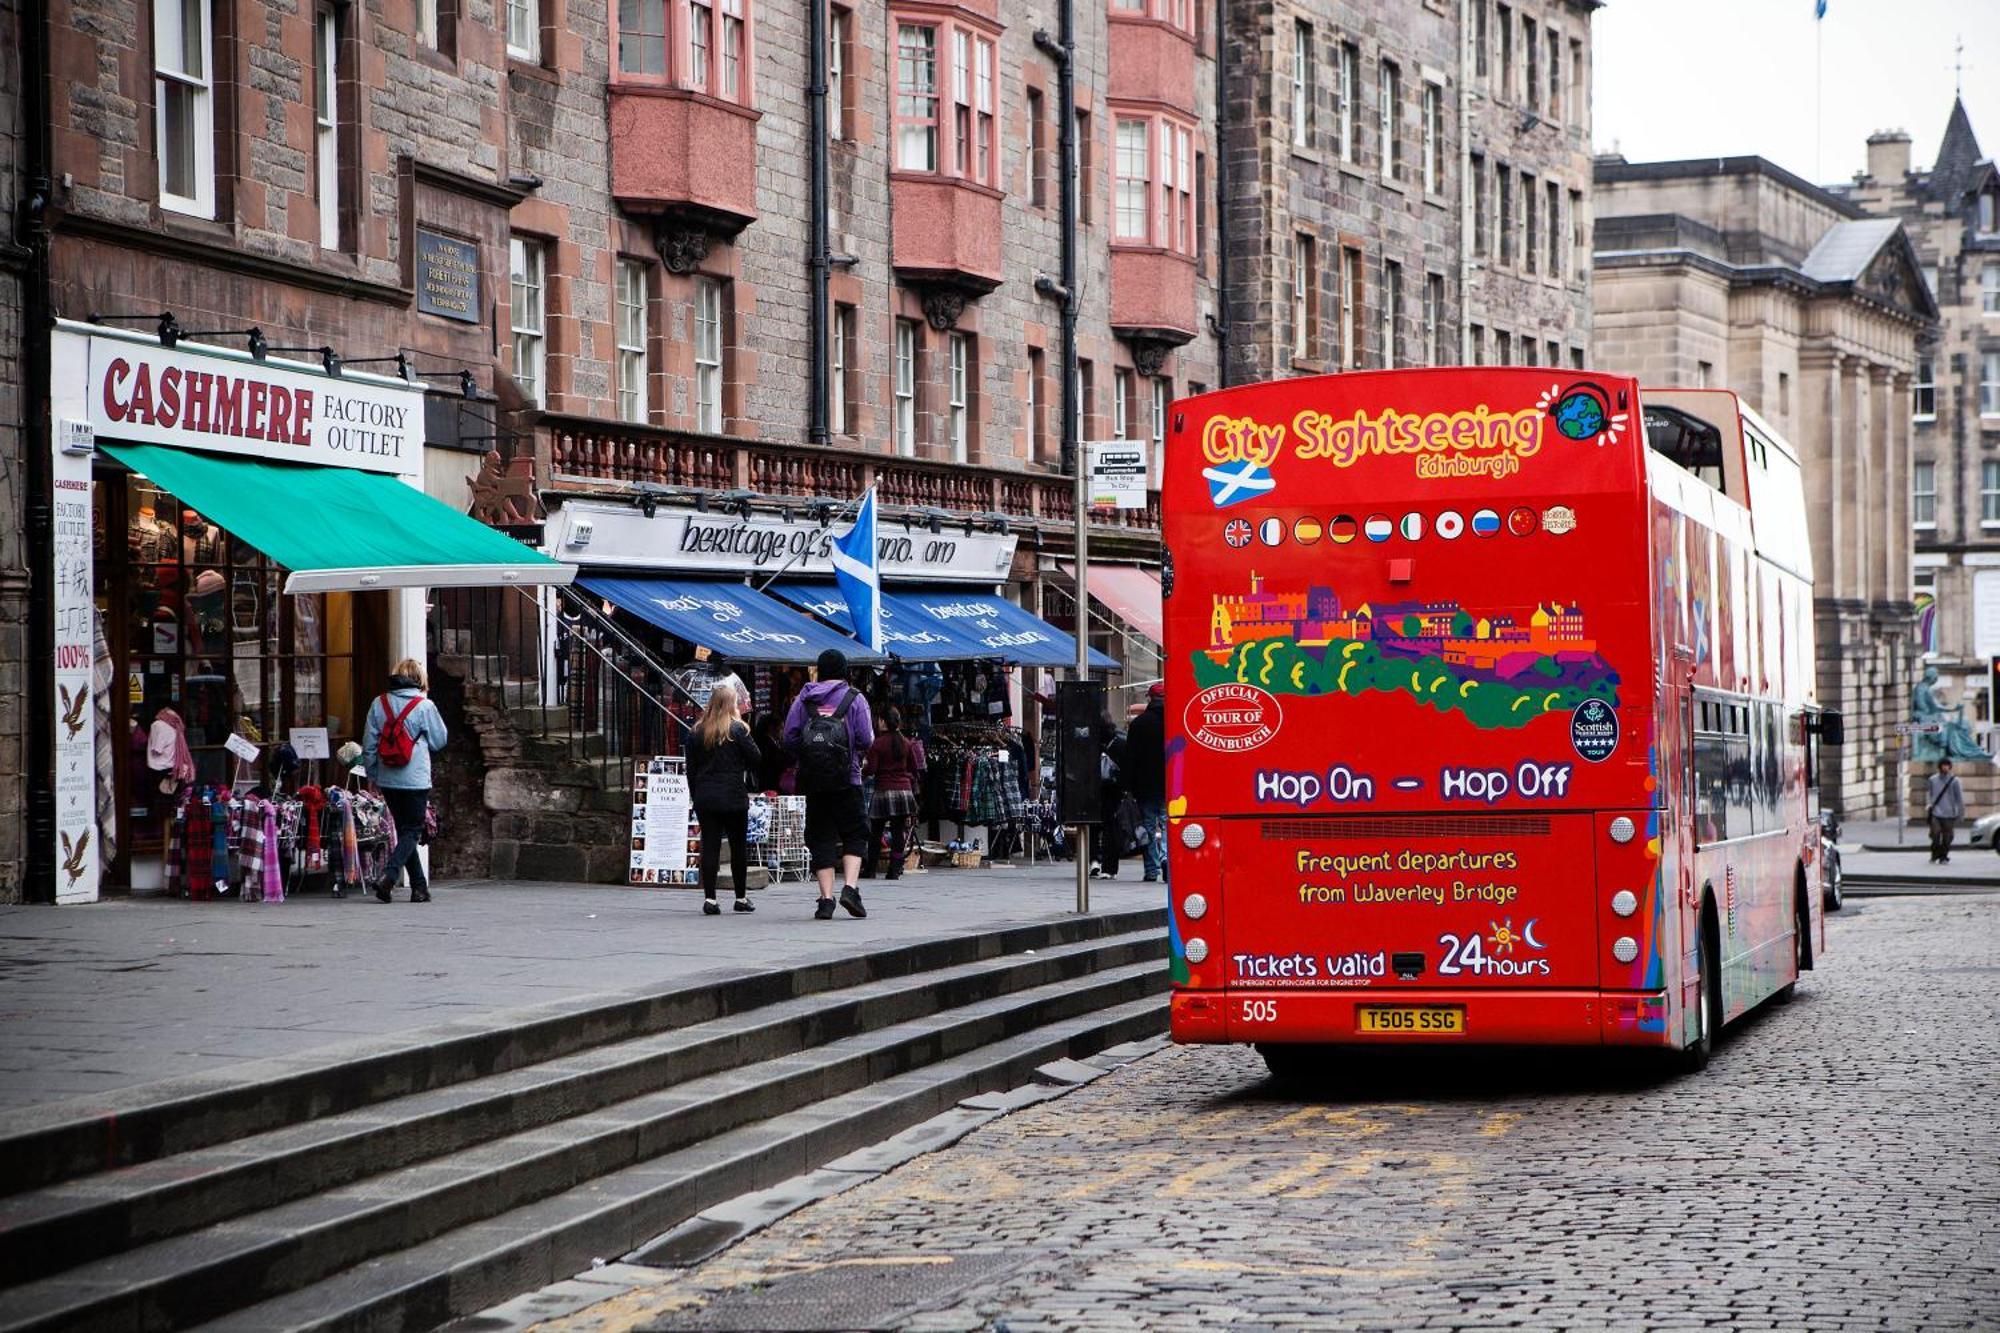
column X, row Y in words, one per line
column 836, row 822
column 1146, row 778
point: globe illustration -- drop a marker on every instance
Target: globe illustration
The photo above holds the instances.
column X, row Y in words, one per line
column 1579, row 417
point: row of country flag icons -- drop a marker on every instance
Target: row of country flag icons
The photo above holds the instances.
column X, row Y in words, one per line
column 1448, row 525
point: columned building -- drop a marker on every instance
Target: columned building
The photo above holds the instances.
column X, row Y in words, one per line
column 1733, row 273
column 1952, row 213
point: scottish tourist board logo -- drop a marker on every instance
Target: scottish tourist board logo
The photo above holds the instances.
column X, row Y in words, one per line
column 1593, row 730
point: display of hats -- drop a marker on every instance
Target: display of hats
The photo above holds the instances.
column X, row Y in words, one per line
column 209, row 582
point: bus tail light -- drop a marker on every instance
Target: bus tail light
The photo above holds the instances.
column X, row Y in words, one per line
column 1622, row 829
column 1197, row 950
column 1624, row 902
column 1194, row 907
column 1625, row 949
column 1193, row 835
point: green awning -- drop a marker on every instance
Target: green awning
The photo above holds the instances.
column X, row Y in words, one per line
column 340, row 529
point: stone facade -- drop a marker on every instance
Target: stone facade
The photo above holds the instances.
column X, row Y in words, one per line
column 1733, row 273
column 1365, row 237
column 1952, row 212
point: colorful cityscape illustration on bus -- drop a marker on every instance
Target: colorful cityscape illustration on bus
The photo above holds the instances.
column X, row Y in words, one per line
column 1498, row 666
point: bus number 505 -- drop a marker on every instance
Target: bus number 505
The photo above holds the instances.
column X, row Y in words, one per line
column 1260, row 1011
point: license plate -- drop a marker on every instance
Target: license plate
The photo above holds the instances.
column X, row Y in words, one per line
column 1413, row 1019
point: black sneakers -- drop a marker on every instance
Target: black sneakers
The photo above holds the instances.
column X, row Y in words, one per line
column 823, row 910
column 745, row 905
column 709, row 907
column 850, row 898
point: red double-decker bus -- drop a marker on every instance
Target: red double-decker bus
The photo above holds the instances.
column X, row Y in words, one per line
column 1490, row 713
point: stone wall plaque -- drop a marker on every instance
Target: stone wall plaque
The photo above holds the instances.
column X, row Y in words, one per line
column 448, row 277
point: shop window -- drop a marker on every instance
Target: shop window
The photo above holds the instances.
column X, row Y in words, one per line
column 962, row 372
column 1392, row 314
column 906, row 387
column 960, row 144
column 1923, row 493
column 708, row 355
column 184, row 99
column 199, row 623
column 634, row 372
column 526, row 281
column 1923, row 391
column 1305, row 330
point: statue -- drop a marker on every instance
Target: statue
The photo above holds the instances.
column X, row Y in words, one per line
column 1955, row 740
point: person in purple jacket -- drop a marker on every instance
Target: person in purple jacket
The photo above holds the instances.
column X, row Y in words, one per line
column 830, row 729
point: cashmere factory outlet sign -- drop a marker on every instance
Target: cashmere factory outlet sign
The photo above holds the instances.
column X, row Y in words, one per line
column 221, row 401
column 690, row 542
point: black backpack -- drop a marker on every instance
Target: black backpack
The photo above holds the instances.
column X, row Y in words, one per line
column 826, row 753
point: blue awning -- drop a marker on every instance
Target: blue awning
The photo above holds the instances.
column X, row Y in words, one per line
column 952, row 625
column 735, row 621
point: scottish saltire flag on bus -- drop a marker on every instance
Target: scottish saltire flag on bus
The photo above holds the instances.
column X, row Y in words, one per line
column 1233, row 483
column 859, row 573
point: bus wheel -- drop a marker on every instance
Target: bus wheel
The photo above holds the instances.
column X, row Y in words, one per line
column 1708, row 1011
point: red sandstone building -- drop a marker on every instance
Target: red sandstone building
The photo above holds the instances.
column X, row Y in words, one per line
column 593, row 236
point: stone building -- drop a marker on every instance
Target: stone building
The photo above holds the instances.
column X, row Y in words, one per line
column 15, row 608
column 1952, row 214
column 596, row 245
column 1407, row 184
column 1734, row 273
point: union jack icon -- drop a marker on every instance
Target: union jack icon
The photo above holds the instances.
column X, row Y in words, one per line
column 1237, row 532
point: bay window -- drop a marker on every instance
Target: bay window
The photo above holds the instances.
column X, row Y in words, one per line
column 700, row 45
column 1154, row 191
column 921, row 134
column 1174, row 13
column 184, row 101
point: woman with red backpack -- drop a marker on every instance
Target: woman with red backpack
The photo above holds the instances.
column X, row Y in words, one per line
column 404, row 730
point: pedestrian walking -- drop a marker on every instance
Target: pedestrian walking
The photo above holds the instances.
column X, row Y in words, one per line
column 829, row 730
column 1146, row 778
column 1944, row 806
column 896, row 763
column 1113, row 825
column 404, row 730
column 722, row 763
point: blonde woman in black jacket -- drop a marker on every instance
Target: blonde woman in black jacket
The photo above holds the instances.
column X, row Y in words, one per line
column 721, row 759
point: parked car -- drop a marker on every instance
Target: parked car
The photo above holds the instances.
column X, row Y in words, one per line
column 1985, row 831
column 1829, row 860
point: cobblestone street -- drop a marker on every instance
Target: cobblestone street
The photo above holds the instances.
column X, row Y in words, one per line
column 1832, row 1169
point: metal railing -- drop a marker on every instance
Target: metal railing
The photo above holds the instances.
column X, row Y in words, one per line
column 568, row 677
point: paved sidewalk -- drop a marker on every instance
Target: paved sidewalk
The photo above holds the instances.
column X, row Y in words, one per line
column 134, row 990
column 1871, row 850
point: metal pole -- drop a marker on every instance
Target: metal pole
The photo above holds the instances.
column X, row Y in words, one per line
column 819, row 426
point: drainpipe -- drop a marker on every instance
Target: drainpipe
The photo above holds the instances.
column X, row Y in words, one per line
column 1220, row 327
column 1062, row 50
column 1465, row 181
column 820, row 411
column 31, row 227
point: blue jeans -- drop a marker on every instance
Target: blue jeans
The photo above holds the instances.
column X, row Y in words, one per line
column 1153, row 824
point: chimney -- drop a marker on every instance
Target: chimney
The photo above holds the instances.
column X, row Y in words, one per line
column 1889, row 156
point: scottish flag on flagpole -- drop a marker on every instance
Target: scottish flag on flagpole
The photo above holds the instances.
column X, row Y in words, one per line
column 857, row 571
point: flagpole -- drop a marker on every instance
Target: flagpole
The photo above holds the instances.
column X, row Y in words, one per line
column 1819, row 81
